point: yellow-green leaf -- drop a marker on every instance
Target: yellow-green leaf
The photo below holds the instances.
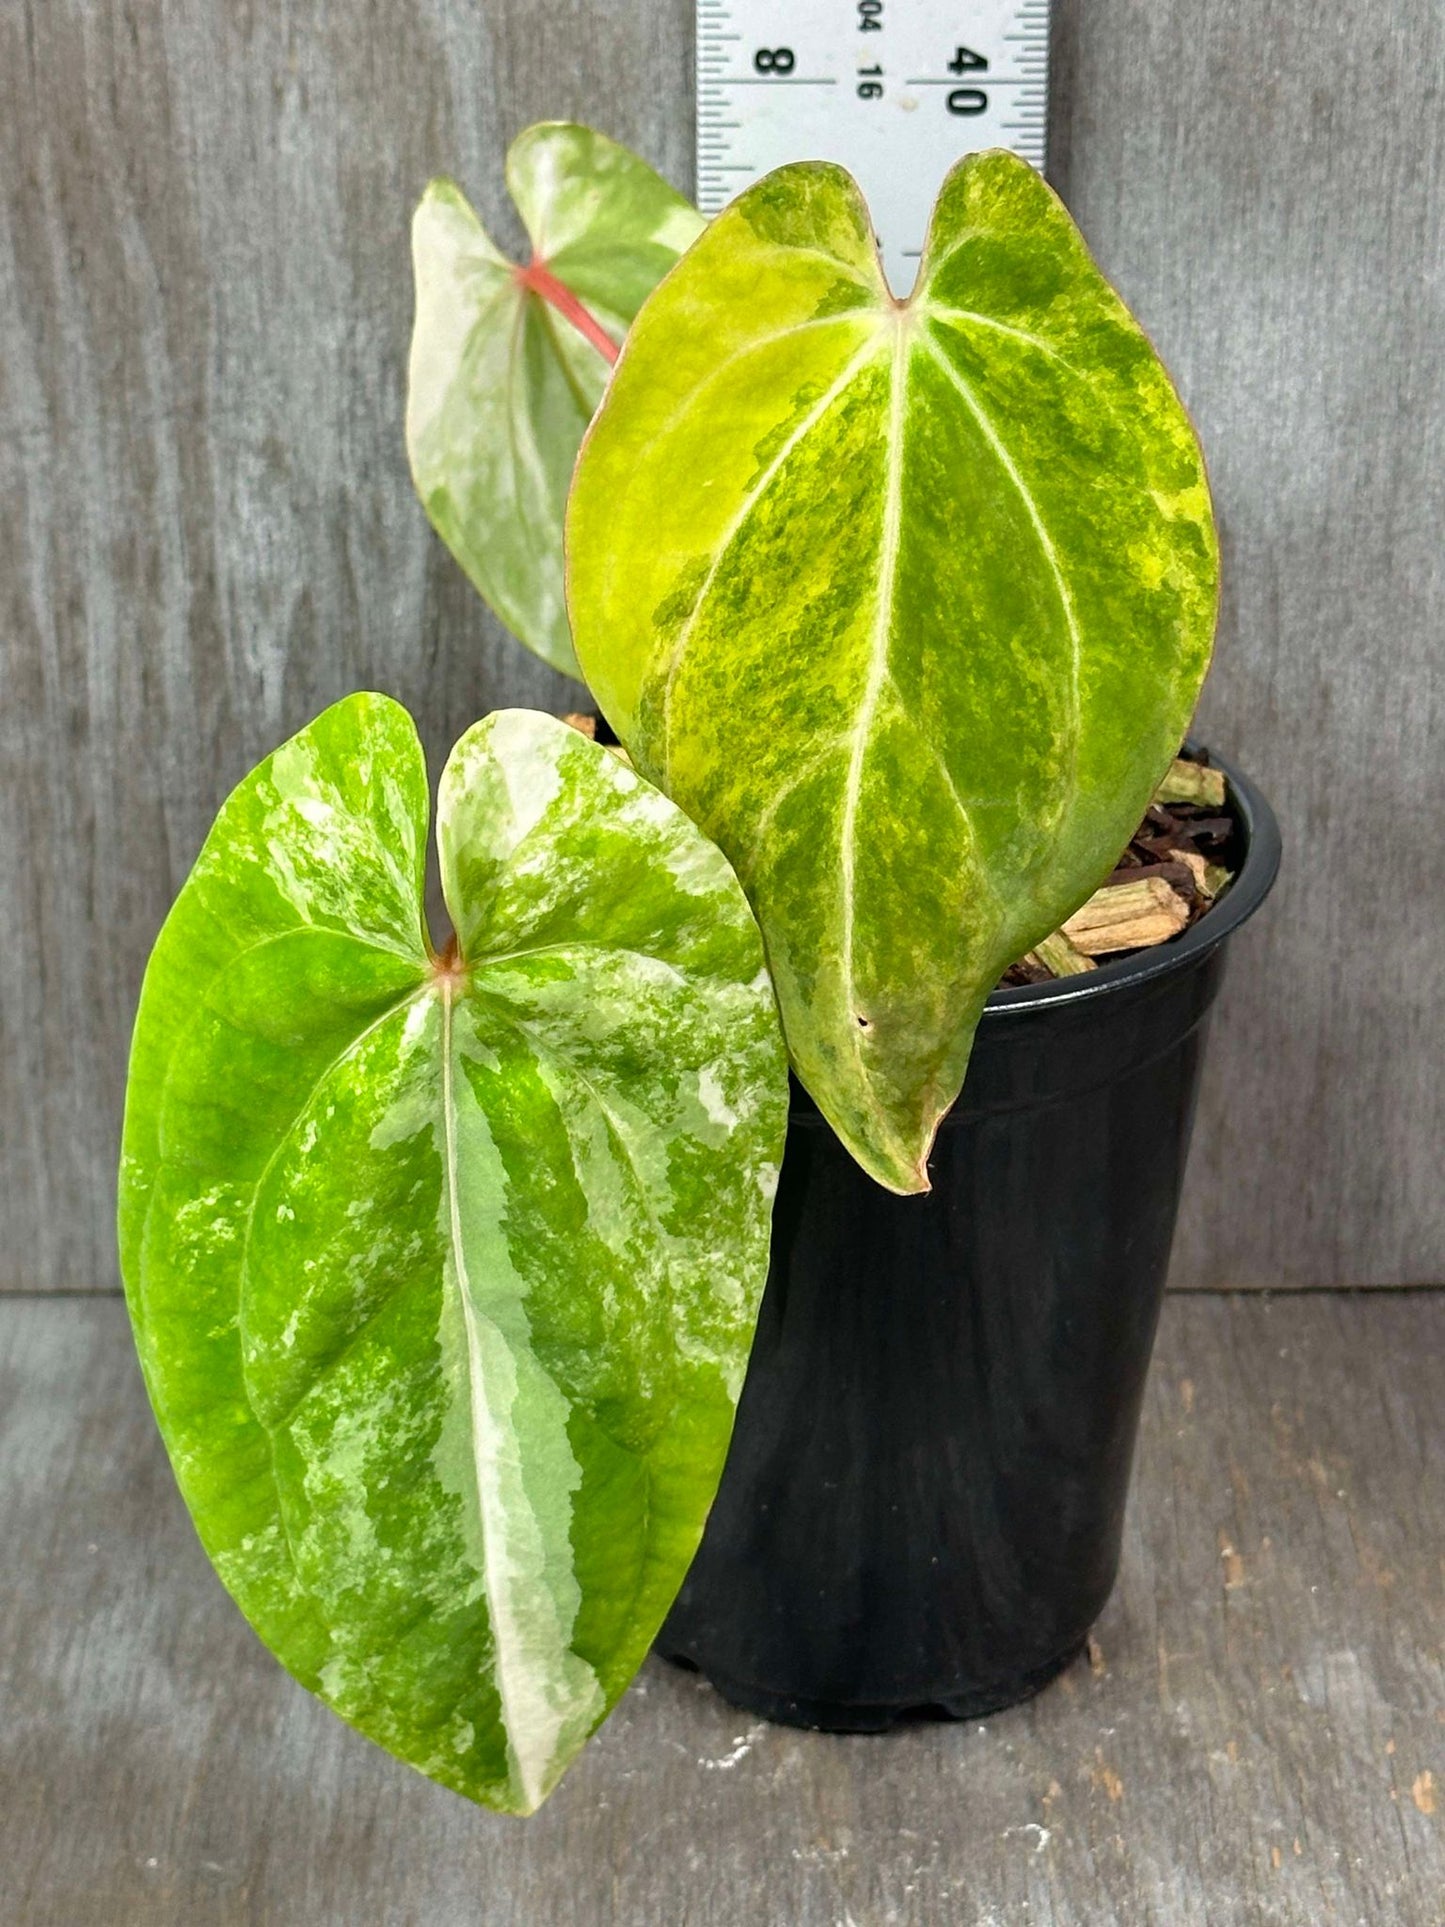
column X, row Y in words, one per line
column 906, row 603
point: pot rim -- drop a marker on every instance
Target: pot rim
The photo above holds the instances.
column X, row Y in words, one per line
column 1248, row 890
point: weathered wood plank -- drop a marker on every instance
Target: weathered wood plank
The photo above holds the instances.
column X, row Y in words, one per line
column 1267, row 187
column 1260, row 1737
column 206, row 529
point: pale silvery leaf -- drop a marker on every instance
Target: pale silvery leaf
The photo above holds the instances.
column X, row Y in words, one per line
column 508, row 360
column 444, row 1271
column 906, row 603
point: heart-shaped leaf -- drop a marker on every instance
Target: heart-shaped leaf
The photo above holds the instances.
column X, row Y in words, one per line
column 444, row 1271
column 508, row 360
column 907, row 604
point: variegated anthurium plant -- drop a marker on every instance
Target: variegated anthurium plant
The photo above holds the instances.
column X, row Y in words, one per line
column 444, row 1266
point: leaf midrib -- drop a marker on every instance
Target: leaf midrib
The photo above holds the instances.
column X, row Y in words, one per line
column 498, row 1610
column 470, row 1314
column 907, row 316
column 889, row 544
column 428, row 986
column 497, row 1008
column 912, row 324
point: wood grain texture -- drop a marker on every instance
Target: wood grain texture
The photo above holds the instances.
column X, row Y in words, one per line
column 207, row 531
column 1266, row 185
column 1260, row 1736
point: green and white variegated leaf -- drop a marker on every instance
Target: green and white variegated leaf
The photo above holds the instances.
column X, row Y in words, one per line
column 907, row 604
column 508, row 361
column 444, row 1273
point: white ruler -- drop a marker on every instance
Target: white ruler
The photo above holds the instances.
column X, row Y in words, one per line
column 896, row 90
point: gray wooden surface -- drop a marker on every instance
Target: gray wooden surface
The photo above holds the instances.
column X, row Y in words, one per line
column 1260, row 1737
column 207, row 532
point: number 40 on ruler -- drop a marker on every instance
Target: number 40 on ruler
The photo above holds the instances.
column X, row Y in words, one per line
column 895, row 90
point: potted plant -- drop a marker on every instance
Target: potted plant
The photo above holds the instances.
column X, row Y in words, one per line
column 445, row 1261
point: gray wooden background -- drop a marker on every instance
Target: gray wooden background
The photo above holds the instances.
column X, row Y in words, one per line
column 207, row 530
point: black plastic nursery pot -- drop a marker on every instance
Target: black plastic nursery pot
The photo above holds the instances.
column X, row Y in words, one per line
column 923, row 1504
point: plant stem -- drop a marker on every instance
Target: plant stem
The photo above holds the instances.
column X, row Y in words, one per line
column 537, row 278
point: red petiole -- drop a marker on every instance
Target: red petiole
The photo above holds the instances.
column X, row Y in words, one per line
column 538, row 279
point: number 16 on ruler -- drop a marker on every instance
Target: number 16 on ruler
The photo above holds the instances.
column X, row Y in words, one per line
column 895, row 90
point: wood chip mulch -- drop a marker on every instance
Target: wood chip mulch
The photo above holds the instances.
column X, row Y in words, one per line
column 1176, row 864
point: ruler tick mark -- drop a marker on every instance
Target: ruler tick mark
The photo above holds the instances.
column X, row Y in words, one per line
column 846, row 103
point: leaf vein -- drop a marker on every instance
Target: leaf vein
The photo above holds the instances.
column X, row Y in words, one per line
column 833, row 393
column 244, row 1260
column 970, row 315
column 1050, row 554
column 810, row 765
column 529, row 1035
